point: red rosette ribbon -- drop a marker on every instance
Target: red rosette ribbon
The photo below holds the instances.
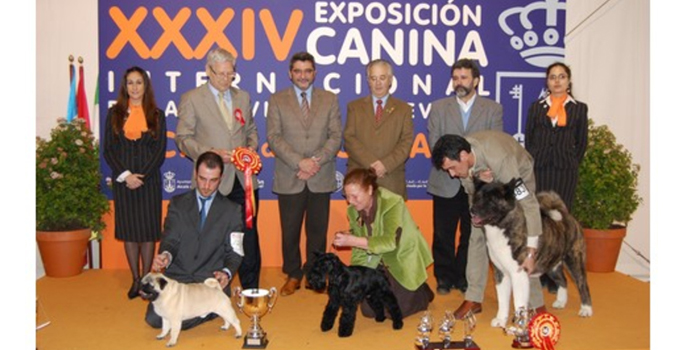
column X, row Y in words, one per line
column 239, row 116
column 247, row 161
column 544, row 331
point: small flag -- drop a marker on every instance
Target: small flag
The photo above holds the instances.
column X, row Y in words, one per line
column 72, row 106
column 96, row 110
column 83, row 112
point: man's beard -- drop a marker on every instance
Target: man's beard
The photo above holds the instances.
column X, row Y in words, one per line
column 462, row 91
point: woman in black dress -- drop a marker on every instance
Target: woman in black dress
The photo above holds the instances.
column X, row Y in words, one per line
column 134, row 147
column 556, row 135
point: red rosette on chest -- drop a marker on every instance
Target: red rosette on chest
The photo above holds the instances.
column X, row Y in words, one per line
column 544, row 331
column 248, row 162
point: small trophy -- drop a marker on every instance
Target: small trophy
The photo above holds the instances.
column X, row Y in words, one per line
column 469, row 325
column 446, row 327
column 255, row 303
column 446, row 332
column 425, row 327
column 520, row 328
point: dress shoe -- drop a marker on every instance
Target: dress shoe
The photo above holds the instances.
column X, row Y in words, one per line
column 443, row 289
column 462, row 287
column 540, row 310
column 465, row 307
column 134, row 290
column 290, row 286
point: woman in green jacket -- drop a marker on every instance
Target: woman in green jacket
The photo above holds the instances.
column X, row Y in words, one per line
column 383, row 235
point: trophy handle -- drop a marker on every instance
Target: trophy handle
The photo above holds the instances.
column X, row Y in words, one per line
column 273, row 299
column 239, row 298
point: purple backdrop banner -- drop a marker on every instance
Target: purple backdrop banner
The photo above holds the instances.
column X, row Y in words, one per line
column 512, row 40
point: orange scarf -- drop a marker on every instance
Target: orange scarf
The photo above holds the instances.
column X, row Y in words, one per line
column 135, row 123
column 557, row 110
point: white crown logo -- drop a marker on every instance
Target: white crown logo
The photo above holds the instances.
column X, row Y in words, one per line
column 339, row 178
column 532, row 50
column 169, row 182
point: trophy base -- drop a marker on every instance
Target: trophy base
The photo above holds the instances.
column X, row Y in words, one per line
column 521, row 345
column 459, row 345
column 255, row 343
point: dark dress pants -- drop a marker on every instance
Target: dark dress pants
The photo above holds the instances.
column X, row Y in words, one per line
column 249, row 271
column 313, row 209
column 450, row 267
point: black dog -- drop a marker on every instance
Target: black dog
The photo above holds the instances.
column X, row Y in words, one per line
column 347, row 287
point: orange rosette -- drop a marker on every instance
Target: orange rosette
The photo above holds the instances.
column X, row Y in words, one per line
column 247, row 161
column 544, row 331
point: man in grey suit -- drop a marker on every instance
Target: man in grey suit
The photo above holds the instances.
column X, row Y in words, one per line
column 462, row 115
column 217, row 117
column 304, row 132
column 491, row 155
column 201, row 239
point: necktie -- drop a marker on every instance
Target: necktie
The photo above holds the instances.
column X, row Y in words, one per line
column 225, row 113
column 202, row 212
column 379, row 111
column 304, row 107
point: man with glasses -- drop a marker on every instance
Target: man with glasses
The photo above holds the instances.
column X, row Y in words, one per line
column 218, row 117
column 379, row 130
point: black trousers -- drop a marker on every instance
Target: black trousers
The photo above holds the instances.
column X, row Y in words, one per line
column 450, row 264
column 313, row 209
column 249, row 271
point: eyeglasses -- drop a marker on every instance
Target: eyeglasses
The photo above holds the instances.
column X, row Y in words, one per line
column 223, row 75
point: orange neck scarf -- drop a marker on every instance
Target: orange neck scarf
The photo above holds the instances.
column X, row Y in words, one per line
column 135, row 124
column 557, row 110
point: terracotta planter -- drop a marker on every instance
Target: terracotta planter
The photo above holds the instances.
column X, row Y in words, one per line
column 63, row 252
column 603, row 248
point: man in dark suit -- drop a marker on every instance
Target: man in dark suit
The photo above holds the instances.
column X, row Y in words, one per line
column 492, row 155
column 304, row 132
column 217, row 117
column 201, row 239
column 461, row 115
column 378, row 133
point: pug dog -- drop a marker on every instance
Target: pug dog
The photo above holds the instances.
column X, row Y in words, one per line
column 175, row 302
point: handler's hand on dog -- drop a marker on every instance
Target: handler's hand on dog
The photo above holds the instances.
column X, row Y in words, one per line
column 529, row 262
column 160, row 262
column 222, row 277
column 342, row 238
column 486, row 176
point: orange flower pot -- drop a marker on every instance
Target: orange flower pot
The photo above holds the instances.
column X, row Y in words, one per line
column 63, row 252
column 603, row 248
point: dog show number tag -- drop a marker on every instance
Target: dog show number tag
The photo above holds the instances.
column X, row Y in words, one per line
column 520, row 190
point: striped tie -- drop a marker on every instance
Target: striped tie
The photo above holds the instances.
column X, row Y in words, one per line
column 304, row 108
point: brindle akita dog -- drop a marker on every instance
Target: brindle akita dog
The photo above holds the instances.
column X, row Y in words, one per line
column 496, row 208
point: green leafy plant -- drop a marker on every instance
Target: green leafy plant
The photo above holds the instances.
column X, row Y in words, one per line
column 68, row 195
column 607, row 188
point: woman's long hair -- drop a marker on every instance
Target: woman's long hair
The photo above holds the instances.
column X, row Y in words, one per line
column 150, row 109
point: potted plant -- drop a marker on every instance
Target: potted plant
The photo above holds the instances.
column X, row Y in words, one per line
column 606, row 197
column 69, row 203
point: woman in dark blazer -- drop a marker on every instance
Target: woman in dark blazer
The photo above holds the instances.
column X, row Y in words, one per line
column 556, row 135
column 134, row 147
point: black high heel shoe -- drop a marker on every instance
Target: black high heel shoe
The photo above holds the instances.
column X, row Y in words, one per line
column 135, row 287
